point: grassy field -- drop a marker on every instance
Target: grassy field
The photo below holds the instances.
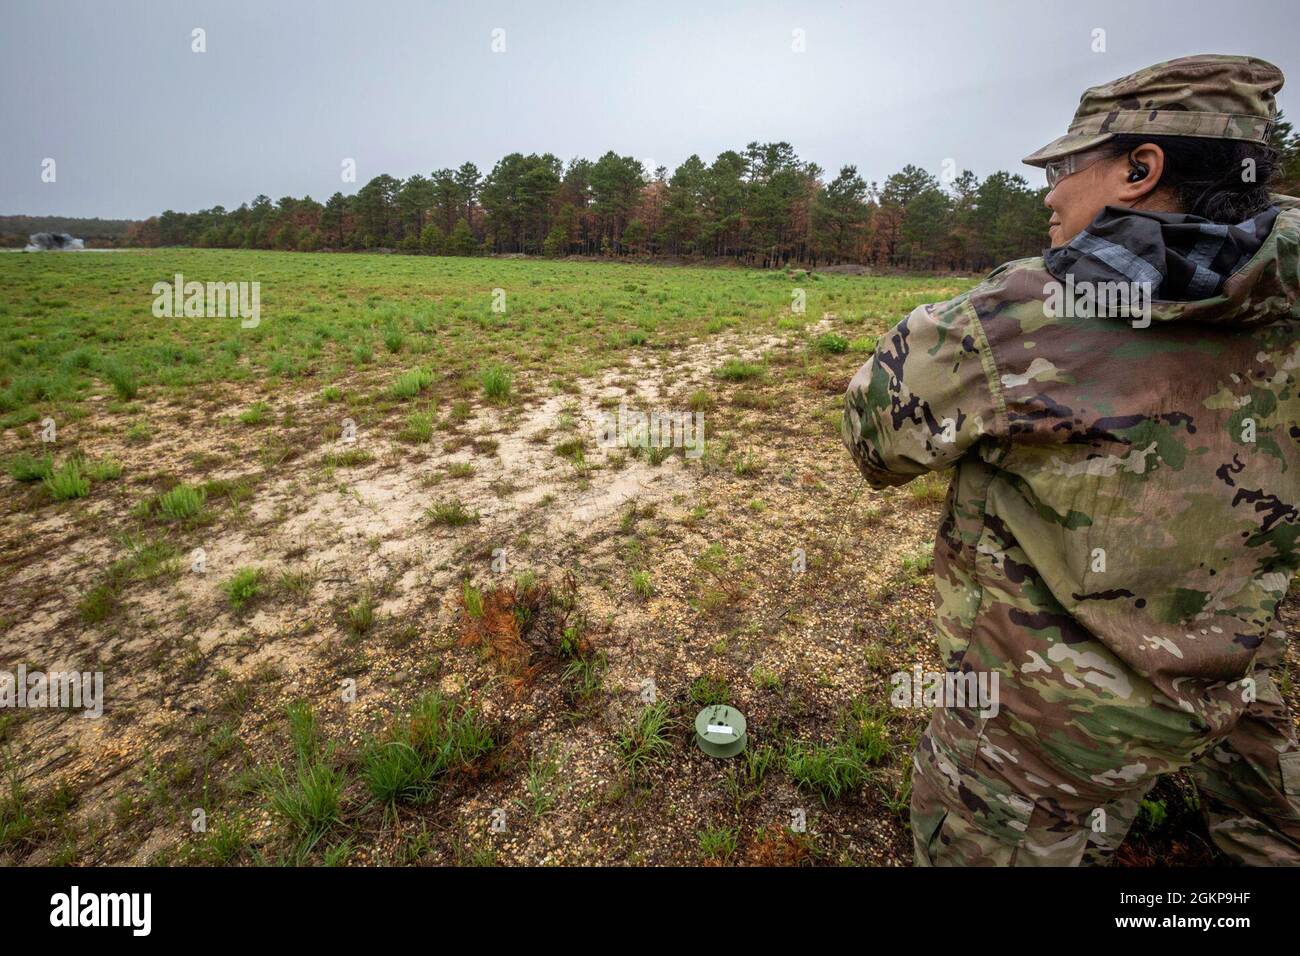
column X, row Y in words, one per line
column 365, row 588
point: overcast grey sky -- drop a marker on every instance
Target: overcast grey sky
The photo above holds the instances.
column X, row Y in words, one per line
column 138, row 123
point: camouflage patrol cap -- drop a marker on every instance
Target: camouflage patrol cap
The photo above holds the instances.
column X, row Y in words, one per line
column 1215, row 96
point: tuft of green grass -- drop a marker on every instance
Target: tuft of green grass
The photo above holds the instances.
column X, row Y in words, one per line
column 225, row 844
column 930, row 488
column 708, row 690
column 830, row 770
column 16, row 817
column 572, row 448
column 360, row 617
column 918, row 563
column 418, row 429
column 255, row 414
column 98, row 603
column 834, row 769
column 67, row 482
column 736, row 370
column 642, row 586
column 831, row 343
column 746, row 464
column 656, row 455
column 643, row 744
column 349, row 458
column 866, row 727
column 244, row 585
column 26, row 467
column 138, row 433
column 450, row 514
column 297, row 584
column 410, row 384
column 309, row 800
column 182, row 502
column 497, row 382
column 303, row 730
column 331, row 393
column 542, row 771
column 394, row 339
column 584, row 676
column 394, row 772
column 473, row 600
column 875, row 656
column 148, row 558
column 103, row 469
column 700, row 401
column 124, row 382
column 746, row 780
column 436, row 737
column 719, row 843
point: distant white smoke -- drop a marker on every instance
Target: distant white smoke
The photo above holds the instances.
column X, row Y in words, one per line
column 53, row 242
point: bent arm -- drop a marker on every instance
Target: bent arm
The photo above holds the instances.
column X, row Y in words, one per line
column 925, row 398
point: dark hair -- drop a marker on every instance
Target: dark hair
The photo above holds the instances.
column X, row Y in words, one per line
column 1206, row 175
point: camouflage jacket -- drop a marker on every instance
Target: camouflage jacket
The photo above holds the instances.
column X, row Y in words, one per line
column 1122, row 520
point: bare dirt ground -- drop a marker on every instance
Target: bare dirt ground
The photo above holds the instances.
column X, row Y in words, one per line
column 197, row 689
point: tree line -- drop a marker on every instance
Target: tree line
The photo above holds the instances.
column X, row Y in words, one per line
column 762, row 206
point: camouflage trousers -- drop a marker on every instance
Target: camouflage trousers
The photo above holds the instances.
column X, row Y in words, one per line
column 965, row 812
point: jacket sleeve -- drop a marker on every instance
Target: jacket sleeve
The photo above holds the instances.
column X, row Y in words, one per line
column 928, row 395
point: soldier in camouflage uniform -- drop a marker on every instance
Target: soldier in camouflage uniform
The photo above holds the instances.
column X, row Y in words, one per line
column 1122, row 520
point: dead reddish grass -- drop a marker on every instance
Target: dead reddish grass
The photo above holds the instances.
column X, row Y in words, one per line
column 772, row 847
column 525, row 627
